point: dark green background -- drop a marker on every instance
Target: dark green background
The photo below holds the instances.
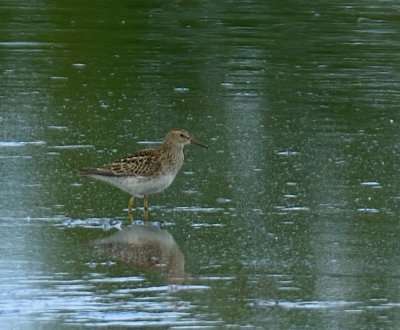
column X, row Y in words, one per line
column 297, row 197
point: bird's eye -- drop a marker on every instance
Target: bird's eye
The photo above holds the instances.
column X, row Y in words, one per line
column 182, row 135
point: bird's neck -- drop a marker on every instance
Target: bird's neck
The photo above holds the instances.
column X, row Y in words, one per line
column 168, row 147
column 173, row 154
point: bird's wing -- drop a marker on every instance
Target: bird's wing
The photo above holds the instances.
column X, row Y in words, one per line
column 141, row 163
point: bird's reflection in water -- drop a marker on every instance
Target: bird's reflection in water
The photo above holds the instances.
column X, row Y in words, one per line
column 145, row 247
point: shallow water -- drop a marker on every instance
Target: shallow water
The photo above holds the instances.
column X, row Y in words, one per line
column 288, row 220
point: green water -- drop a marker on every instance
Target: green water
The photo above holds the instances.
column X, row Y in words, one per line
column 288, row 221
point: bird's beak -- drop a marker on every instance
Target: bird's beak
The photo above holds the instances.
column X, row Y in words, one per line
column 193, row 141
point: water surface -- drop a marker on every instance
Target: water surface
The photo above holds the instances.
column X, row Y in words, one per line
column 288, row 220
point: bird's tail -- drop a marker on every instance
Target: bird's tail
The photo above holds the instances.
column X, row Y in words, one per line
column 89, row 171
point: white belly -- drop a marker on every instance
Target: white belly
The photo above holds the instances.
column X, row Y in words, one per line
column 138, row 185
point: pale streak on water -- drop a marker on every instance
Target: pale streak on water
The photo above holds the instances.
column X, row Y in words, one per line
column 290, row 219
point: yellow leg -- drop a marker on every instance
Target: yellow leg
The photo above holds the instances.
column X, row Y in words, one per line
column 131, row 205
column 146, row 208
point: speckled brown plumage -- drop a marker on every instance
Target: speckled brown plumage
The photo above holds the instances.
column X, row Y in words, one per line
column 141, row 163
column 147, row 171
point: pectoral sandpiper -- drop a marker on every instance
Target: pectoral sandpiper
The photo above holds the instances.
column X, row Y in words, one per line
column 148, row 171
